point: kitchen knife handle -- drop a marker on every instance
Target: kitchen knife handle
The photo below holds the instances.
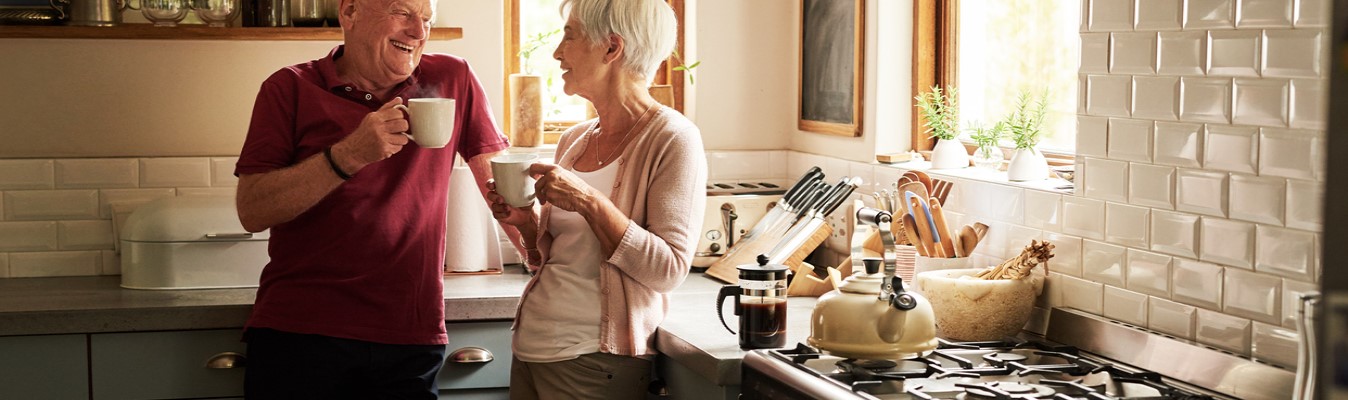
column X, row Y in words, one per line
column 811, row 175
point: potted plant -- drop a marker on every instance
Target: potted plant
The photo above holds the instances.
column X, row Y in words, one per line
column 940, row 110
column 988, row 153
column 1025, row 125
column 526, row 96
column 664, row 94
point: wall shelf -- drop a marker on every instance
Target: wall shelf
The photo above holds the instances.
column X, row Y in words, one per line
column 190, row 32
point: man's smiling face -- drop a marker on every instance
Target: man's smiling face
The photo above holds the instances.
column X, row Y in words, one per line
column 386, row 37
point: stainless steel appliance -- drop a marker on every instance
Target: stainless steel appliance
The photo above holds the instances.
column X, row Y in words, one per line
column 733, row 207
column 1081, row 357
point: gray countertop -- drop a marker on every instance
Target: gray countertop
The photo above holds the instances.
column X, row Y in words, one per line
column 691, row 334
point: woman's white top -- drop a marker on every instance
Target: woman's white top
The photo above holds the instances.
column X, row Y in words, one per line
column 560, row 317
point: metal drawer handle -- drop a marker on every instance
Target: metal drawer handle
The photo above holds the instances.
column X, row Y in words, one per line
column 471, row 355
column 226, row 360
column 227, row 236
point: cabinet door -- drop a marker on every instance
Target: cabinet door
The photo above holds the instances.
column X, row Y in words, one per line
column 466, row 373
column 162, row 365
column 44, row 367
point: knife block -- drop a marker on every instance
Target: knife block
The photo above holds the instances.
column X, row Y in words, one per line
column 746, row 252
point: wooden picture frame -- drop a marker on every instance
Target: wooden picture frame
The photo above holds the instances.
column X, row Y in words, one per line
column 832, row 57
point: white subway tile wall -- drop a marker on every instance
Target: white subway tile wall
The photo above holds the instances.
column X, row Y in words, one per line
column 1178, row 144
column 1176, row 319
column 1257, row 199
column 1104, row 263
column 1126, row 225
column 1197, row 283
column 1253, row 295
column 1223, row 331
column 1151, row 185
column 26, row 174
column 1215, row 143
column 1125, row 306
column 55, row 218
column 1274, row 344
column 1149, row 273
column 1174, row 233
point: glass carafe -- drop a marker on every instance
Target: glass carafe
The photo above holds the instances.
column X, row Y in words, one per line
column 760, row 301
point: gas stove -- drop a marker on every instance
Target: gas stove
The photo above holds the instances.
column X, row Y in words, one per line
column 1026, row 367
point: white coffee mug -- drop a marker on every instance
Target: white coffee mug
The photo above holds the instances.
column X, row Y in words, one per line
column 432, row 121
column 513, row 182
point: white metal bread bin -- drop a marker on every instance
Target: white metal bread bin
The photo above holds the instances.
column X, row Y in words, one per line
column 190, row 242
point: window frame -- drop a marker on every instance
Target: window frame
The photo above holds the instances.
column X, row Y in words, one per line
column 936, row 62
column 665, row 74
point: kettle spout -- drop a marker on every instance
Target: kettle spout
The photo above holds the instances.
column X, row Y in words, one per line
column 891, row 324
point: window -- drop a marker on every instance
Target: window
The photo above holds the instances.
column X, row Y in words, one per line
column 991, row 50
column 530, row 20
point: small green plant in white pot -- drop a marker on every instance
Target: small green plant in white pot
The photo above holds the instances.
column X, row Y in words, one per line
column 1026, row 126
column 940, row 110
column 988, row 153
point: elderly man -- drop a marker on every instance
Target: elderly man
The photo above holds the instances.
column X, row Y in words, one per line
column 351, row 304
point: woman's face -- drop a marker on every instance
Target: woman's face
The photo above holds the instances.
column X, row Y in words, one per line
column 582, row 64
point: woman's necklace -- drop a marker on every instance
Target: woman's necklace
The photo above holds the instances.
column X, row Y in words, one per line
column 622, row 143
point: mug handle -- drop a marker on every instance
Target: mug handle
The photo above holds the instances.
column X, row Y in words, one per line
column 58, row 5
column 409, row 114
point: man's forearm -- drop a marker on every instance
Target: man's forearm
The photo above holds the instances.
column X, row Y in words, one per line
column 270, row 198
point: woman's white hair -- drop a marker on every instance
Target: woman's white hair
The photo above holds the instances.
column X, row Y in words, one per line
column 648, row 27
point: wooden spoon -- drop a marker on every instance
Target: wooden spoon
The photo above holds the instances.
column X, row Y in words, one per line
column 910, row 229
column 942, row 231
column 968, row 239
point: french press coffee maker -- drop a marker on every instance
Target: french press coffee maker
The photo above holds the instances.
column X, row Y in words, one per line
column 760, row 301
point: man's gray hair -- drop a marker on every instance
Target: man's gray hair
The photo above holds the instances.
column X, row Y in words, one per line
column 648, row 27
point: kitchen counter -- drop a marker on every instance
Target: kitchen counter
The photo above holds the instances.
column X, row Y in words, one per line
column 43, row 306
column 691, row 335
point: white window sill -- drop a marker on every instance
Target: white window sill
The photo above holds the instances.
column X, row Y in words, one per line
column 1056, row 185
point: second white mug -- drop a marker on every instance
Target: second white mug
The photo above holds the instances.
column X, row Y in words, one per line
column 513, row 182
column 431, row 120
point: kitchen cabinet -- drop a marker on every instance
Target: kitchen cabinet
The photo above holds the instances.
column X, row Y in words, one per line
column 165, row 365
column 186, row 32
column 477, row 361
column 684, row 384
column 44, row 367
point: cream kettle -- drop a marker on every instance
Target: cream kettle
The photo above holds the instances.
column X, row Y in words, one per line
column 871, row 316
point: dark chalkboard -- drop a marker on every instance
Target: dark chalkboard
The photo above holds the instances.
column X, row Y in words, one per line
column 830, row 66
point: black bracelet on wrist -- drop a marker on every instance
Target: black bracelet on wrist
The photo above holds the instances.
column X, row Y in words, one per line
column 327, row 153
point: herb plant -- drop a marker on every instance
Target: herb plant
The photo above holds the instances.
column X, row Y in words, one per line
column 1025, row 124
column 941, row 112
column 534, row 43
column 987, row 137
column 686, row 68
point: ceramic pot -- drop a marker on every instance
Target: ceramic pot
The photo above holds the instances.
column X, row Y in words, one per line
column 949, row 154
column 526, row 110
column 1027, row 165
column 977, row 309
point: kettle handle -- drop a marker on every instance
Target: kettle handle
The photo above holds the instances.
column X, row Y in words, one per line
column 727, row 291
column 59, row 7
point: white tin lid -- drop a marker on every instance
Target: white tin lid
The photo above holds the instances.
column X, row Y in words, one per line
column 198, row 218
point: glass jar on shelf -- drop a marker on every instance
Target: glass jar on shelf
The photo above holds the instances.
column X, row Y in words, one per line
column 215, row 13
column 306, row 13
column 164, row 12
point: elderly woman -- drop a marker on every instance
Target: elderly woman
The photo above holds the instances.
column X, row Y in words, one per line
column 614, row 230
